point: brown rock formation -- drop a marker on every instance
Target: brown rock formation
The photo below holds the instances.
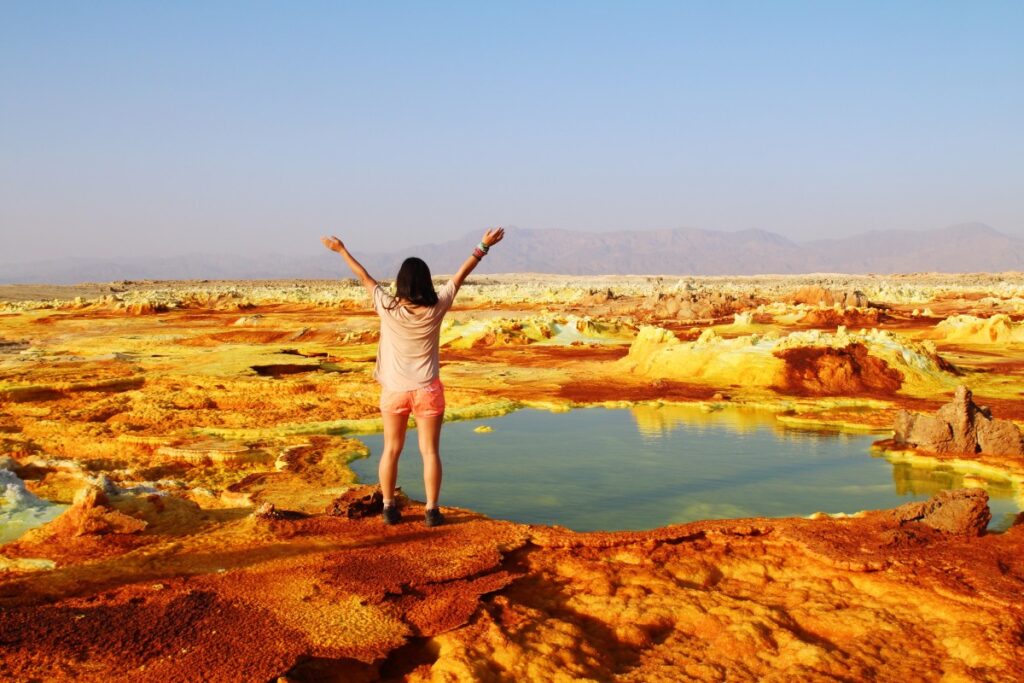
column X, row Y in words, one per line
column 362, row 502
column 91, row 513
column 827, row 371
column 959, row 427
column 816, row 294
column 597, row 296
column 269, row 512
column 851, row 317
column 963, row 512
column 699, row 305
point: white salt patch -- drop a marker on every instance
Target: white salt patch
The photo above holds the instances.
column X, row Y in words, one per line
column 20, row 509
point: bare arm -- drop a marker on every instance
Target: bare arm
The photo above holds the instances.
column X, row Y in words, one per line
column 336, row 245
column 491, row 237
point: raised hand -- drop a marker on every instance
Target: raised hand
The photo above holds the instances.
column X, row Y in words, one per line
column 492, row 237
column 333, row 243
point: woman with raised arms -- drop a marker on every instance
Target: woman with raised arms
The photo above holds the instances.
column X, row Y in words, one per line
column 407, row 365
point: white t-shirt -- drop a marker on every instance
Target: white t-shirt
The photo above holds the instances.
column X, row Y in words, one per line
column 407, row 355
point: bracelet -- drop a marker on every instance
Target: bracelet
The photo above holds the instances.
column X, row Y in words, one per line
column 478, row 253
column 483, row 247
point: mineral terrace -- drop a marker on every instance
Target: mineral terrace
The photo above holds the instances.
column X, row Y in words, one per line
column 175, row 489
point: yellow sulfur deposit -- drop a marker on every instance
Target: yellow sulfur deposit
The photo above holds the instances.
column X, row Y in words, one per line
column 969, row 329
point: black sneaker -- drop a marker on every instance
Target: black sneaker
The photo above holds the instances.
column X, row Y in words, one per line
column 391, row 515
column 433, row 517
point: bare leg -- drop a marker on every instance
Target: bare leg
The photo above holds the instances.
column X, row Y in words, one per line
column 428, row 429
column 394, row 440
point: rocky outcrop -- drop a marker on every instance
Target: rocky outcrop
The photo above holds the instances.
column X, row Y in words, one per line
column 959, row 427
column 269, row 512
column 963, row 512
column 818, row 295
column 362, row 501
column 845, row 316
column 92, row 513
column 827, row 371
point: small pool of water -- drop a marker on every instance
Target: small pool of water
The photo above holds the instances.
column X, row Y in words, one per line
column 20, row 510
column 645, row 467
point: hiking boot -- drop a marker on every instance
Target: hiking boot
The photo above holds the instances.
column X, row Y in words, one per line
column 391, row 515
column 433, row 517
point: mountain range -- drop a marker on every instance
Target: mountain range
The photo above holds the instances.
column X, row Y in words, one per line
column 964, row 248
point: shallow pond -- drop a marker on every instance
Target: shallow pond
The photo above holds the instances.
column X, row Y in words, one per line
column 20, row 510
column 646, row 467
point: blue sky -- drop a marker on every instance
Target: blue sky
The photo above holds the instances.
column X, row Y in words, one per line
column 145, row 127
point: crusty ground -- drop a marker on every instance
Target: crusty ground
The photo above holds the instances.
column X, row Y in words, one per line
column 231, row 401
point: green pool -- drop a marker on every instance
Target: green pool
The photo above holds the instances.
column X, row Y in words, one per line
column 646, row 467
column 20, row 510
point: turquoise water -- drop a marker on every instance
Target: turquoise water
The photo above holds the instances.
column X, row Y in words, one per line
column 646, row 467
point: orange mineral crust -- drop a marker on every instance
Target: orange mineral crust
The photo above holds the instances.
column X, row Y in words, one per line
column 898, row 595
column 183, row 449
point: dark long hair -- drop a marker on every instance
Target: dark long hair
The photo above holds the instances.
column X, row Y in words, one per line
column 413, row 283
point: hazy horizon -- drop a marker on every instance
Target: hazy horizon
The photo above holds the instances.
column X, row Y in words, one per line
column 312, row 246
column 252, row 128
column 961, row 248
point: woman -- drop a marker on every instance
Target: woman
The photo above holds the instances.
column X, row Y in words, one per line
column 407, row 365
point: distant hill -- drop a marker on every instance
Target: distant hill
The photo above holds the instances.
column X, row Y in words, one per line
column 661, row 252
column 972, row 247
column 966, row 248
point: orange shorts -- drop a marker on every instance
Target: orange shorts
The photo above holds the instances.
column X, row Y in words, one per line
column 425, row 402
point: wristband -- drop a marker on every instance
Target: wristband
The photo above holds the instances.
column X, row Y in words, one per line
column 483, row 247
column 478, row 253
